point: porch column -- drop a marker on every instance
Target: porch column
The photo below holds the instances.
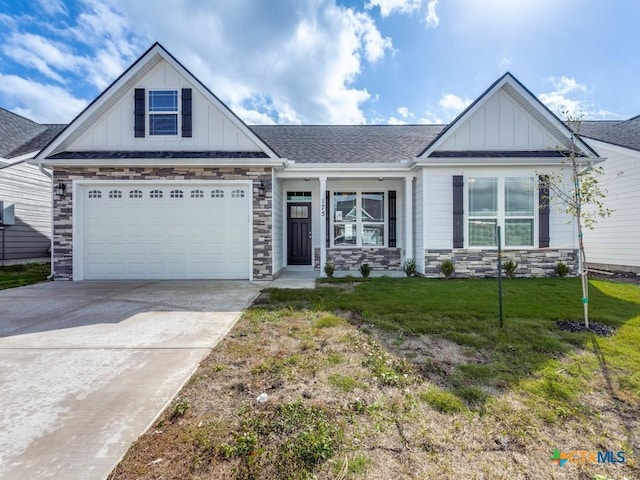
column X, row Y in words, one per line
column 408, row 217
column 323, row 222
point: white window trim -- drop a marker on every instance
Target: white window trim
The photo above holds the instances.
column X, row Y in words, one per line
column 501, row 213
column 359, row 223
column 176, row 113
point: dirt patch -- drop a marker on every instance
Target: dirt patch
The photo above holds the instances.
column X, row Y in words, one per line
column 300, row 394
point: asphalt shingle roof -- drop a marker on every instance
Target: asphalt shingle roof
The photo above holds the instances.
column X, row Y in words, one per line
column 623, row 133
column 19, row 135
column 348, row 143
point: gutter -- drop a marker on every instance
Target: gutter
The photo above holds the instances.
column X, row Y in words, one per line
column 50, row 175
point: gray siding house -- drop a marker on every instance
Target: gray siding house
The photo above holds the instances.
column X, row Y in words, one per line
column 25, row 190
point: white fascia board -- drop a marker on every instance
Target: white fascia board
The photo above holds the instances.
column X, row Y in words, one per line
column 160, row 162
column 3, row 162
column 502, row 162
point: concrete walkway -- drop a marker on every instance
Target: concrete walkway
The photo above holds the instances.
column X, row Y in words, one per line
column 86, row 367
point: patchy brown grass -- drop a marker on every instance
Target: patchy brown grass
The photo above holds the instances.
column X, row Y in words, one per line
column 345, row 400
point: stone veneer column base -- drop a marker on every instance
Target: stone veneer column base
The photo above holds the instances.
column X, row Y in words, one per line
column 484, row 263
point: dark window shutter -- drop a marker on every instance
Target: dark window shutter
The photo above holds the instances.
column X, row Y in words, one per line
column 458, row 211
column 543, row 211
column 328, row 217
column 392, row 218
column 139, row 112
column 186, row 112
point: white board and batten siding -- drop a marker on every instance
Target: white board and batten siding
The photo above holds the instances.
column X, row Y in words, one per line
column 500, row 123
column 212, row 127
column 615, row 241
column 162, row 230
column 29, row 190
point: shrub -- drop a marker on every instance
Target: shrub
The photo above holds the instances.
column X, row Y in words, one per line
column 365, row 270
column 447, row 268
column 562, row 269
column 329, row 268
column 510, row 268
column 409, row 267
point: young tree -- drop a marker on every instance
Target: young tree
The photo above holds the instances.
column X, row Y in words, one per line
column 581, row 197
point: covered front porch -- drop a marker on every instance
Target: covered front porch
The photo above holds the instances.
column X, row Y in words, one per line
column 345, row 218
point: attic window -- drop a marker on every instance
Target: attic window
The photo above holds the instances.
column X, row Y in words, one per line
column 163, row 112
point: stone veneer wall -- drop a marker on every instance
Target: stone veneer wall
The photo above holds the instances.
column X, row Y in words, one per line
column 262, row 212
column 352, row 258
column 483, row 263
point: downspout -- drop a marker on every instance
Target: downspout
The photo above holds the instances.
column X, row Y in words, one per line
column 50, row 175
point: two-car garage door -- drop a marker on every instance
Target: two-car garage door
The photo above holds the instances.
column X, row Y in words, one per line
column 163, row 230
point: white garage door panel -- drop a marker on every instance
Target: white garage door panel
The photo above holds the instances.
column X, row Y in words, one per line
column 156, row 238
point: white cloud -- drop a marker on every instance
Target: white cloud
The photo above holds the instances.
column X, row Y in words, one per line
column 387, row 7
column 430, row 119
column 453, row 104
column 560, row 100
column 53, row 7
column 396, row 121
column 405, row 113
column 432, row 17
column 407, row 7
column 40, row 102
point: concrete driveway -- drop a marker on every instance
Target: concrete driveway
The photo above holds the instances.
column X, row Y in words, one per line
column 86, row 367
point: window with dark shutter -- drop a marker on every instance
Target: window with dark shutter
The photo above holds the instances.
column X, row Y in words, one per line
column 458, row 211
column 392, row 218
column 544, row 237
column 139, row 112
column 186, row 112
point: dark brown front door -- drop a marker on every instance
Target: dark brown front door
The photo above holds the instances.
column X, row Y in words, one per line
column 299, row 233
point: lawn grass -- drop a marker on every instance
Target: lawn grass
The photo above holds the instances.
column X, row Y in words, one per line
column 23, row 274
column 408, row 378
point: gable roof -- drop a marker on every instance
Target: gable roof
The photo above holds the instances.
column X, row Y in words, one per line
column 19, row 135
column 348, row 143
column 123, row 84
column 527, row 100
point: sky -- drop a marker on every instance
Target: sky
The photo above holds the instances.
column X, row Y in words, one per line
column 328, row 61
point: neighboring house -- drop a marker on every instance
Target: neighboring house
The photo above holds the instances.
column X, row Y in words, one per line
column 614, row 244
column 162, row 180
column 25, row 191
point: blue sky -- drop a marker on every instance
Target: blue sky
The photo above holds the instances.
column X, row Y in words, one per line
column 328, row 61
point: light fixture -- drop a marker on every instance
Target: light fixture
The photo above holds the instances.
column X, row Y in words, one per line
column 306, row 179
column 262, row 190
column 59, row 189
column 380, row 179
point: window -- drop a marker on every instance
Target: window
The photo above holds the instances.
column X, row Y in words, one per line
column 299, row 196
column 177, row 194
column 237, row 193
column 518, row 224
column 197, row 194
column 115, row 194
column 163, row 112
column 217, row 194
column 505, row 201
column 483, row 211
column 95, row 194
column 135, row 194
column 155, row 194
column 359, row 219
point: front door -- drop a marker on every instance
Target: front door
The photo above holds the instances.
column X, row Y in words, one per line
column 299, row 233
